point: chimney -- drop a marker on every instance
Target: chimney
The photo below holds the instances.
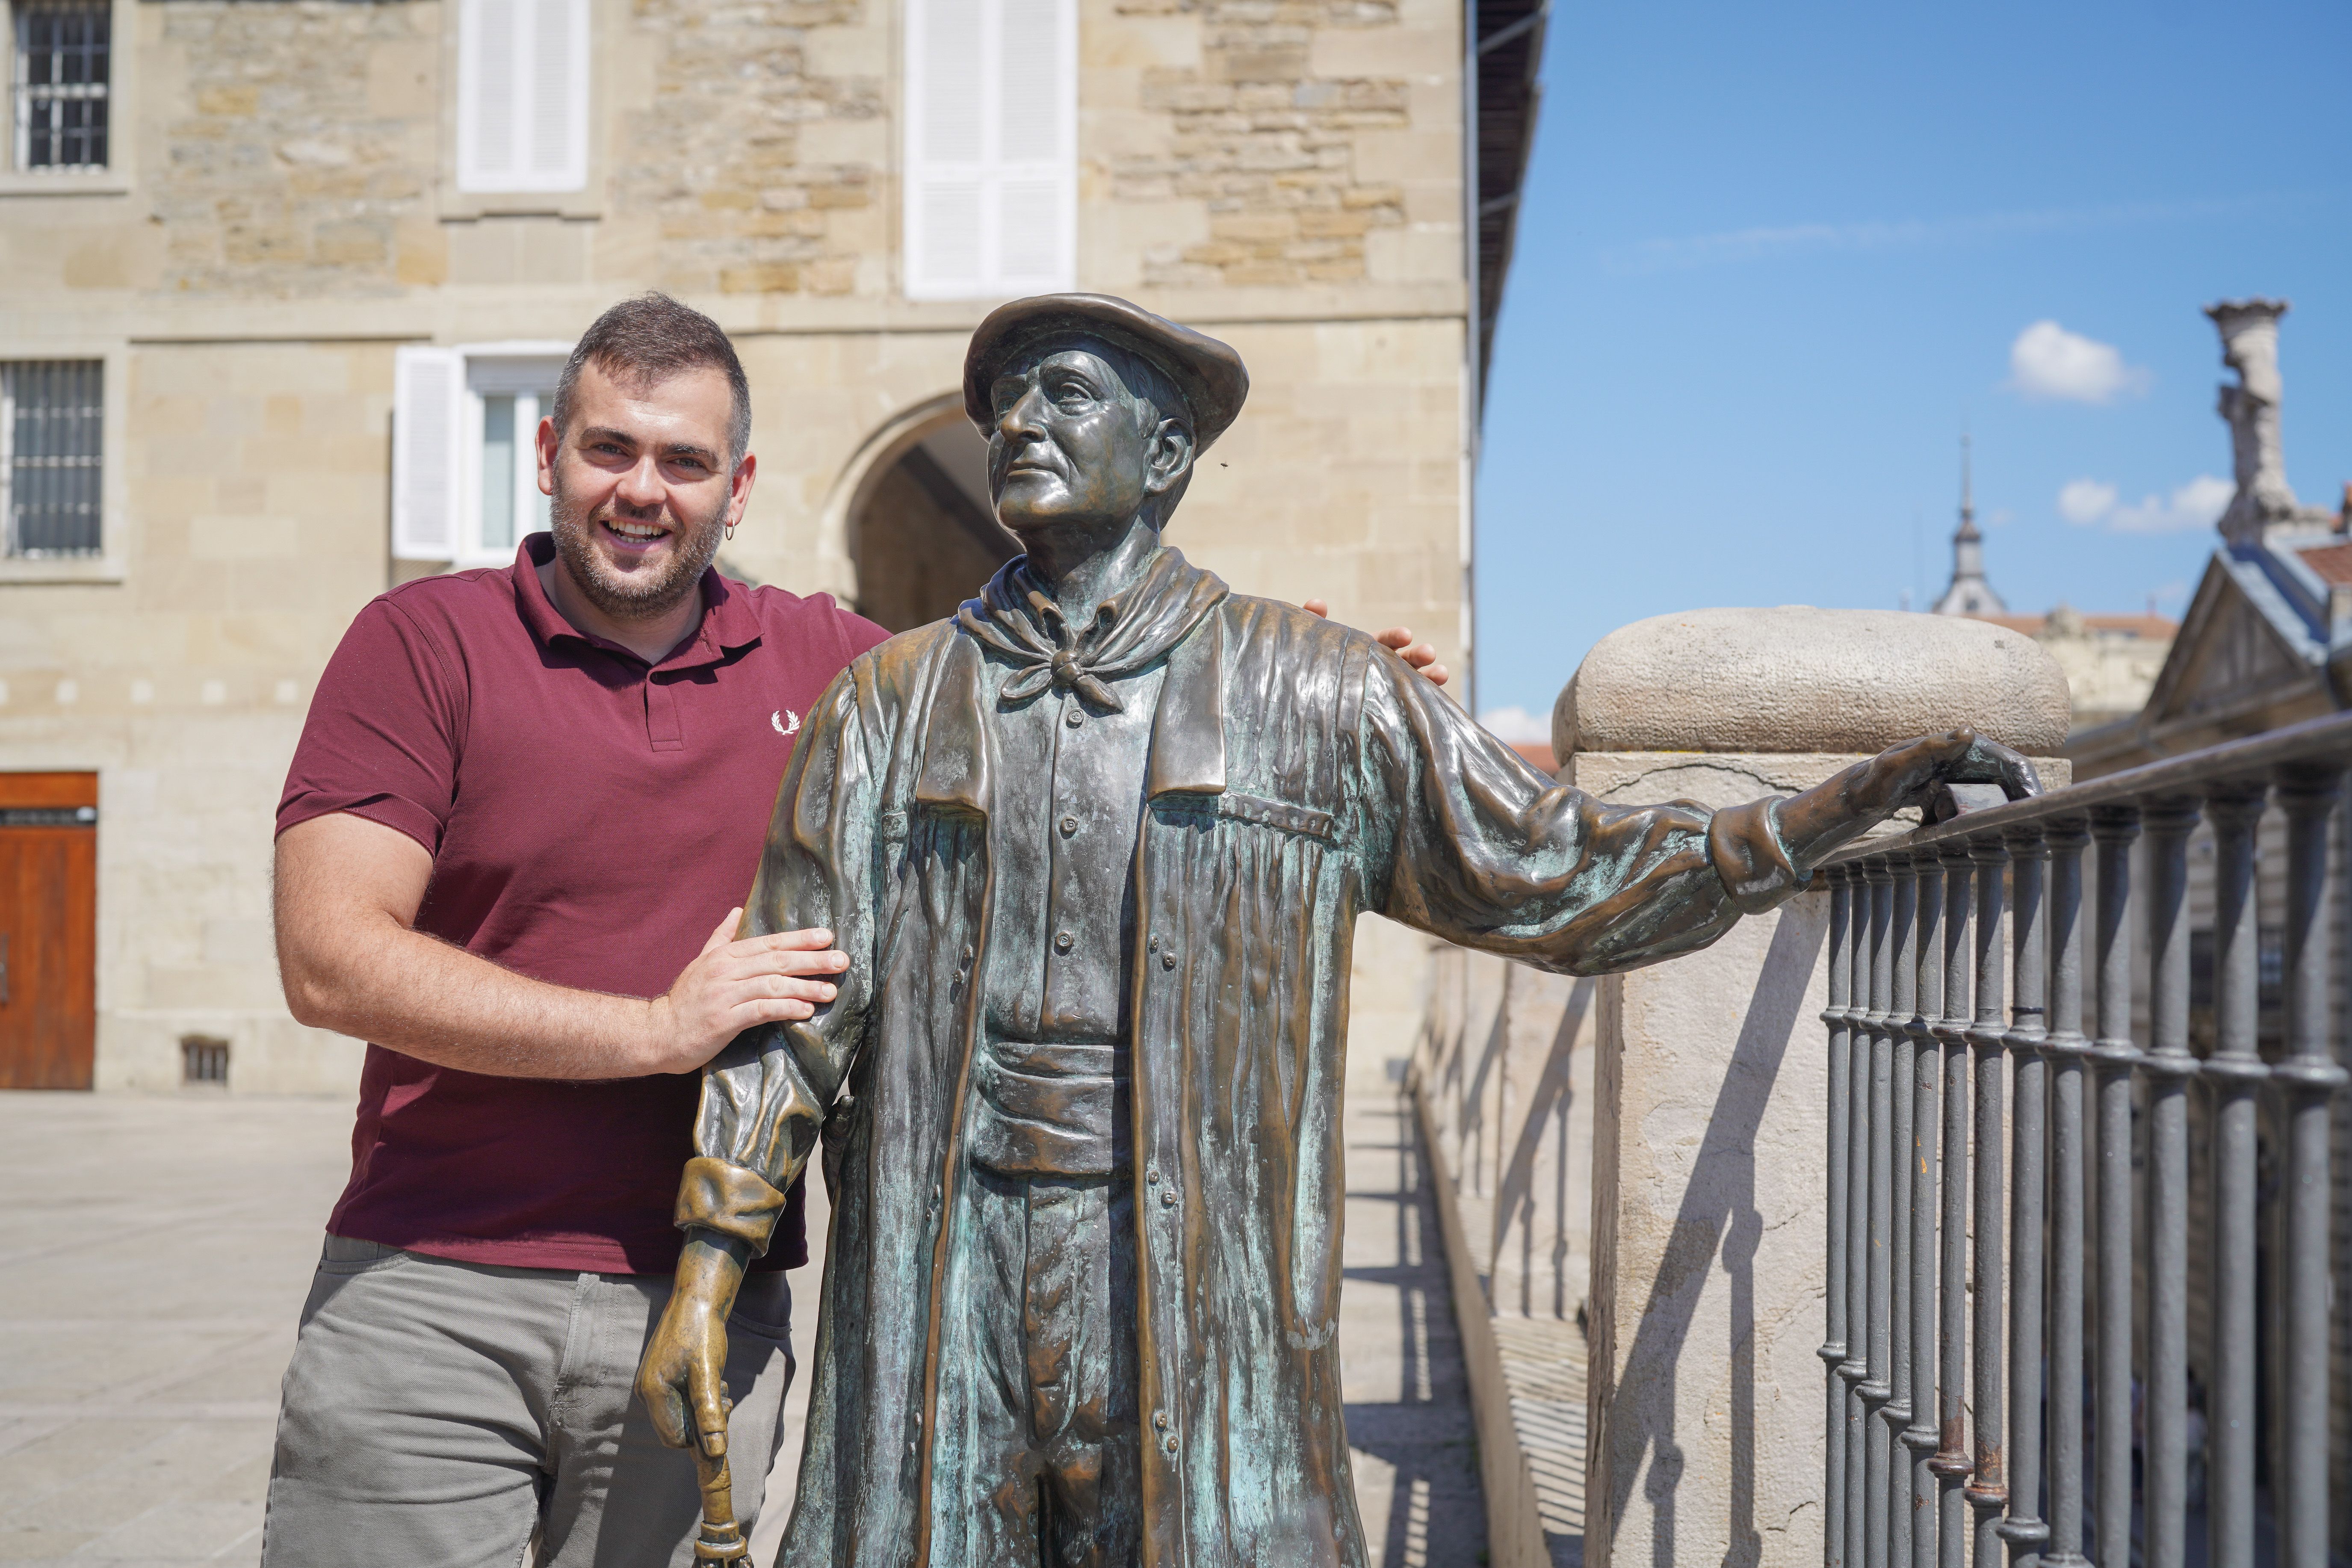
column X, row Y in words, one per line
column 2264, row 500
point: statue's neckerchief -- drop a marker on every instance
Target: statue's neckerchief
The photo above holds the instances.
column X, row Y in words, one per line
column 1137, row 625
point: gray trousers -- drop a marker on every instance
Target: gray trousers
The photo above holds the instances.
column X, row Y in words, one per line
column 455, row 1414
column 1036, row 1460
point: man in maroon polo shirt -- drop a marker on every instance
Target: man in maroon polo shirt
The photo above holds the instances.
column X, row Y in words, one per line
column 522, row 798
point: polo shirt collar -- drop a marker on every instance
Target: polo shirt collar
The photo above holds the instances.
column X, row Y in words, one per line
column 728, row 623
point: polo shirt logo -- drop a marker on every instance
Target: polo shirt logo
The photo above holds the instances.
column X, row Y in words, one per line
column 778, row 720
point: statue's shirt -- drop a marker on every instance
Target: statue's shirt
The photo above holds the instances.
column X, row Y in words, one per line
column 1053, row 1073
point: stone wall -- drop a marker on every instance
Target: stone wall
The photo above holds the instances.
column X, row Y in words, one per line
column 1277, row 144
column 257, row 505
column 283, row 214
column 764, row 155
column 298, row 146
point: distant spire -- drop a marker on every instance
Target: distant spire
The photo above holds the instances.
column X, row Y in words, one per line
column 1969, row 594
column 1967, row 495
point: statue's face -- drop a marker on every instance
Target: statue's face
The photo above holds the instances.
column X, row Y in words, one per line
column 1069, row 450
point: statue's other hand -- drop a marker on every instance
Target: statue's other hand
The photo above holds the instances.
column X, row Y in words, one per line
column 682, row 1378
column 1420, row 656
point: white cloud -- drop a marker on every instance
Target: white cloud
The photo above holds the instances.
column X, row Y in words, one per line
column 1515, row 725
column 2085, row 501
column 2047, row 362
column 2197, row 504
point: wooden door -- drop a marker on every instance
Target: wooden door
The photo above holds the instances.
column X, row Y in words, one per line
column 48, row 929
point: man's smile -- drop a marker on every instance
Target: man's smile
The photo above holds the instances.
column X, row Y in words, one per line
column 633, row 537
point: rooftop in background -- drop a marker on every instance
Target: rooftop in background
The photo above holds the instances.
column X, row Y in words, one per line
column 2070, row 622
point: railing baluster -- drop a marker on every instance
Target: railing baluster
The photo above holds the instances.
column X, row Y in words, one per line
column 2065, row 1050
column 2168, row 1066
column 1927, row 1076
column 1854, row 1371
column 1950, row 1462
column 2025, row 1529
column 1904, row 1047
column 1833, row 1350
column 1878, row 1447
column 1987, row 1490
column 2310, row 1077
column 2115, row 829
column 2236, row 1071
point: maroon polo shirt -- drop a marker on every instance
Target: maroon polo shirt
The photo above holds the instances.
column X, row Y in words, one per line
column 591, row 819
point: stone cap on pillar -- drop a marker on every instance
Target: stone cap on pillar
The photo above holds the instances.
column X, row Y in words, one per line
column 1799, row 680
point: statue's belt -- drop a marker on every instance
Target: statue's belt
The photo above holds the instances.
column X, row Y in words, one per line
column 1050, row 1109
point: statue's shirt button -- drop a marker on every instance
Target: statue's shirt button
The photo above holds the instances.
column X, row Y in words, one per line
column 1075, row 717
column 1063, row 942
column 1168, row 958
column 1069, row 826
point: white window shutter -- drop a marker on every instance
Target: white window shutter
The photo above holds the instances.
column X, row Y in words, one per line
column 428, row 401
column 522, row 95
column 990, row 147
column 559, row 95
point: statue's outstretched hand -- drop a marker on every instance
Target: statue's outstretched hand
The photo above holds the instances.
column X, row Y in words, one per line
column 682, row 1378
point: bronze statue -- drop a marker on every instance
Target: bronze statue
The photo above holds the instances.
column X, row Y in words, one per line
column 1096, row 848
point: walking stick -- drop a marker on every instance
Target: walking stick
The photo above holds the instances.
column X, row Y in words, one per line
column 721, row 1539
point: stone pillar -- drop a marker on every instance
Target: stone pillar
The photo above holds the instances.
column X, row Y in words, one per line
column 1710, row 1123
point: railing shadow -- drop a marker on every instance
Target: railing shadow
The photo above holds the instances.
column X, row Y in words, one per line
column 1545, row 1119
column 1719, row 1216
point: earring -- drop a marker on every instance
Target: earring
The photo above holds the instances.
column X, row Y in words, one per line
column 730, row 533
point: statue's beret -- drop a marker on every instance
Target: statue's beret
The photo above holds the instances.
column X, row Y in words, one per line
column 1209, row 374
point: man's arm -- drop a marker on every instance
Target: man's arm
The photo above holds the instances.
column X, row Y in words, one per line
column 347, row 893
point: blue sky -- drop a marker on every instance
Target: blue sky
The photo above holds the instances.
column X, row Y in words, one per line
column 1772, row 259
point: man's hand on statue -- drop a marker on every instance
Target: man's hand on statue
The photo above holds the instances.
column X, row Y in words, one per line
column 1420, row 655
column 682, row 1378
column 732, row 986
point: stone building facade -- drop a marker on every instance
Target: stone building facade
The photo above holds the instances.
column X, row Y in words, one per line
column 293, row 203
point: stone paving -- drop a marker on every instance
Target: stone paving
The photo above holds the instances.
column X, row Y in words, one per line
column 154, row 1252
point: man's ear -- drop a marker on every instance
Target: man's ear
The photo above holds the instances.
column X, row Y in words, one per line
column 1170, row 459
column 739, row 488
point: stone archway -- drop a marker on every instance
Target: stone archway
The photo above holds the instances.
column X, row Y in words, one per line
column 919, row 529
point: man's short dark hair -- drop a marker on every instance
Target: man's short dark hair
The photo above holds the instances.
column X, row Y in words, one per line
column 644, row 342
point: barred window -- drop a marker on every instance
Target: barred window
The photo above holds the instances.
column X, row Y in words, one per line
column 52, row 425
column 64, row 61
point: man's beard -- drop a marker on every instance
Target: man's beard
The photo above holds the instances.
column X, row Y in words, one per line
column 639, row 596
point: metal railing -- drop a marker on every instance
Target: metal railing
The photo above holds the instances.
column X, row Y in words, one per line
column 2010, row 1197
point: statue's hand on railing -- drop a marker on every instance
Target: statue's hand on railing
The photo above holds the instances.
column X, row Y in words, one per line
column 1842, row 807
